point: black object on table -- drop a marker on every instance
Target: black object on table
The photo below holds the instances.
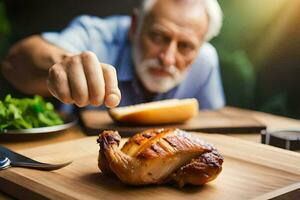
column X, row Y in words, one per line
column 286, row 139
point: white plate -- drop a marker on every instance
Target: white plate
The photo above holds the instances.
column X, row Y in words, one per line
column 70, row 120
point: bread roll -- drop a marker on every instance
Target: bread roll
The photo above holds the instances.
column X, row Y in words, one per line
column 158, row 112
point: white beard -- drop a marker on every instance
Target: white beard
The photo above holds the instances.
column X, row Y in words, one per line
column 156, row 84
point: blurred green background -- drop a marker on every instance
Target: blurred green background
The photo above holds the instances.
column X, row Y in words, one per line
column 259, row 46
column 259, row 49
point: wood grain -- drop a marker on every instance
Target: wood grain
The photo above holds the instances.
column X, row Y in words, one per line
column 218, row 121
column 250, row 170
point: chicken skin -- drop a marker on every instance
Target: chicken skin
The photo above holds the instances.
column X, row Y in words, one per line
column 157, row 156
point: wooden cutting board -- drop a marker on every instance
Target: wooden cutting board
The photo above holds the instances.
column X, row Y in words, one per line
column 226, row 120
column 250, row 170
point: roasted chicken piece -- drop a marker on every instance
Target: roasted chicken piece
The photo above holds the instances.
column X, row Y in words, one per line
column 158, row 156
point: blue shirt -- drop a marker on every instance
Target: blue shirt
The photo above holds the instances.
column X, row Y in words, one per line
column 108, row 39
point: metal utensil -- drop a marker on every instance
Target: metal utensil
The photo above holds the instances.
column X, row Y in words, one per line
column 9, row 158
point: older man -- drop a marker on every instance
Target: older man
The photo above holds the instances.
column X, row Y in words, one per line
column 161, row 52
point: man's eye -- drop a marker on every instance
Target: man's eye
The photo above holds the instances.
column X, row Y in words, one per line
column 157, row 37
column 185, row 47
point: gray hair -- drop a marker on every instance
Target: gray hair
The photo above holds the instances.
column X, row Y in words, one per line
column 212, row 8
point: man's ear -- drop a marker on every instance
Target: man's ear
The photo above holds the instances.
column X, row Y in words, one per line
column 134, row 25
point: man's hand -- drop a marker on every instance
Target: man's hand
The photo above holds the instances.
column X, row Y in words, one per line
column 83, row 80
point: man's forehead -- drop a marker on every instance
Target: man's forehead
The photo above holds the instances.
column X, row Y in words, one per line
column 178, row 2
column 189, row 10
column 183, row 14
column 188, row 5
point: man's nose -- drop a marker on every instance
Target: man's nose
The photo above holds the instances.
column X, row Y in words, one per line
column 167, row 56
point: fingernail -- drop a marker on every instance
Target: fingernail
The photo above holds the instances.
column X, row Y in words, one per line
column 112, row 100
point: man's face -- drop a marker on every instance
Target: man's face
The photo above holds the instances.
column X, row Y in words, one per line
column 167, row 43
